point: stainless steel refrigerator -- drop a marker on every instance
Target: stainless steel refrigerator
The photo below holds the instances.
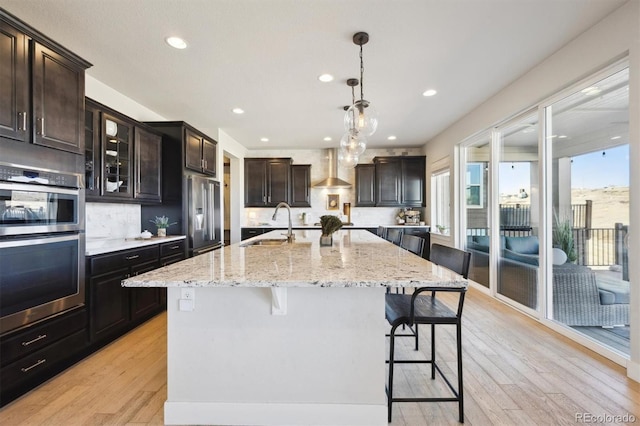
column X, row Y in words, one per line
column 203, row 212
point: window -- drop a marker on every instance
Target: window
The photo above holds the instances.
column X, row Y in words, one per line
column 440, row 191
column 474, row 188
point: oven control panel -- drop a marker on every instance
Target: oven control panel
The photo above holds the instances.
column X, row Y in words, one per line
column 11, row 173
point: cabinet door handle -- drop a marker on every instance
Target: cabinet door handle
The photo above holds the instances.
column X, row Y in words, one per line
column 269, row 198
column 205, row 164
column 41, row 122
column 40, row 337
column 22, row 121
column 40, row 361
column 135, row 256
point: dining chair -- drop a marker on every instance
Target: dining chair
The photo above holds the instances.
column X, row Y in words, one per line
column 382, row 232
column 419, row 308
column 413, row 243
column 394, row 235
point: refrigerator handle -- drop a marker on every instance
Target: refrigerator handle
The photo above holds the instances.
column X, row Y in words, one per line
column 211, row 212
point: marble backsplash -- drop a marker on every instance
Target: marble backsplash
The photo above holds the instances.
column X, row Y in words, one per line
column 112, row 220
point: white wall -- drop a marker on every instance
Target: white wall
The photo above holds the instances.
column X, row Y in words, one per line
column 607, row 41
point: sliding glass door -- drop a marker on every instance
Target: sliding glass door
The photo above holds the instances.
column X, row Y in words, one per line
column 517, row 211
column 588, row 136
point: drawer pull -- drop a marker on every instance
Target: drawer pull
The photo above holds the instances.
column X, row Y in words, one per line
column 39, row 362
column 135, row 256
column 174, row 247
column 40, row 337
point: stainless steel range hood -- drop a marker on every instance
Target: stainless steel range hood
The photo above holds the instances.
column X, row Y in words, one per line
column 332, row 181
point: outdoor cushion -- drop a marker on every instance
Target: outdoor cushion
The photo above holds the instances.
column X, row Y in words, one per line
column 531, row 259
column 524, row 245
column 611, row 293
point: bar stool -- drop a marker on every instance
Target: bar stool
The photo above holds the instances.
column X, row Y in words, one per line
column 394, row 235
column 413, row 243
column 401, row 309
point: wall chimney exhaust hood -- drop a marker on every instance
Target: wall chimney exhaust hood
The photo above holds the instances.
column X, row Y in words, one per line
column 332, row 181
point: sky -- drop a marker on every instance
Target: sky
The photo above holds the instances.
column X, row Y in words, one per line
column 593, row 170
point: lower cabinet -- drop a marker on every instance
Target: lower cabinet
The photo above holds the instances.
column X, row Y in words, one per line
column 35, row 353
column 114, row 309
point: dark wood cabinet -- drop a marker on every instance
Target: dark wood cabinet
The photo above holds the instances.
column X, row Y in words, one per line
column 365, row 185
column 267, row 181
column 92, row 150
column 399, row 182
column 300, row 185
column 413, row 182
column 246, row 233
column 41, row 89
column 14, row 84
column 147, row 165
column 122, row 157
column 39, row 351
column 200, row 152
column 388, row 181
column 116, row 156
column 58, row 100
column 112, row 308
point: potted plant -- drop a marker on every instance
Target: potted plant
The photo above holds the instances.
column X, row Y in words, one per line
column 329, row 225
column 162, row 223
column 563, row 238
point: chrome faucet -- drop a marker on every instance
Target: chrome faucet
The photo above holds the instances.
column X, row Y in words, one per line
column 290, row 236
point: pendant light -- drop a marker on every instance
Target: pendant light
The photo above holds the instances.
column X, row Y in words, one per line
column 353, row 141
column 361, row 116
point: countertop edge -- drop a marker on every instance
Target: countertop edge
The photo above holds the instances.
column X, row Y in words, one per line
column 130, row 243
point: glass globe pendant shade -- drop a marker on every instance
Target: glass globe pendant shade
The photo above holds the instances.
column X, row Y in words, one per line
column 353, row 143
column 347, row 159
column 361, row 117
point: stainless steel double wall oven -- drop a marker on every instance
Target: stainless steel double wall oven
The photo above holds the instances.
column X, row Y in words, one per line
column 41, row 244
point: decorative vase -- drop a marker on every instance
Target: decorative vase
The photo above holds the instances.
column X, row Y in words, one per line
column 326, row 240
column 162, row 232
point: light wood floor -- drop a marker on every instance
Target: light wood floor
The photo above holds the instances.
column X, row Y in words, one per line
column 516, row 372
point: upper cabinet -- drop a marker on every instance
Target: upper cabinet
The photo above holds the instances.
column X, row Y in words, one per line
column 197, row 151
column 365, row 185
column 300, row 185
column 267, row 181
column 122, row 157
column 200, row 153
column 41, row 89
column 391, row 182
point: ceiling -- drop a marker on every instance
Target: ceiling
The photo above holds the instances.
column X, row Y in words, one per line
column 265, row 56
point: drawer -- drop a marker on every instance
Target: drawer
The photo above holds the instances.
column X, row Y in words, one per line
column 106, row 263
column 172, row 248
column 252, row 232
column 32, row 367
column 31, row 339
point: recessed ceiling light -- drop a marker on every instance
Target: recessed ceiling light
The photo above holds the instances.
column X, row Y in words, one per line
column 615, row 137
column 429, row 92
column 238, row 111
column 328, row 139
column 391, row 138
column 325, row 78
column 176, row 42
column 264, row 139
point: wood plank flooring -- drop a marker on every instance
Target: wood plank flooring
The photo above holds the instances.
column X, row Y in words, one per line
column 516, row 372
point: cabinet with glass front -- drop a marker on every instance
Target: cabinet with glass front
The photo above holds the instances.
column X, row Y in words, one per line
column 117, row 153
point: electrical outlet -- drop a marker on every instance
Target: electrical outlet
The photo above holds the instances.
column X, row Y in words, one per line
column 187, row 293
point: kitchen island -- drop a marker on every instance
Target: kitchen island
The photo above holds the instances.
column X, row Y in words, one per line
column 284, row 334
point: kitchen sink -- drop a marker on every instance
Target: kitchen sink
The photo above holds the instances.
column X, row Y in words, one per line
column 265, row 242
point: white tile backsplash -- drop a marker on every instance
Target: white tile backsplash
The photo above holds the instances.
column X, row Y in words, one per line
column 112, row 220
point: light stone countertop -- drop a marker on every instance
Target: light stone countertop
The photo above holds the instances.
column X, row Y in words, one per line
column 95, row 246
column 357, row 258
column 302, row 226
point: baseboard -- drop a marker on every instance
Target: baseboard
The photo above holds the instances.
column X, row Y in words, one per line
column 280, row 414
column 633, row 370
